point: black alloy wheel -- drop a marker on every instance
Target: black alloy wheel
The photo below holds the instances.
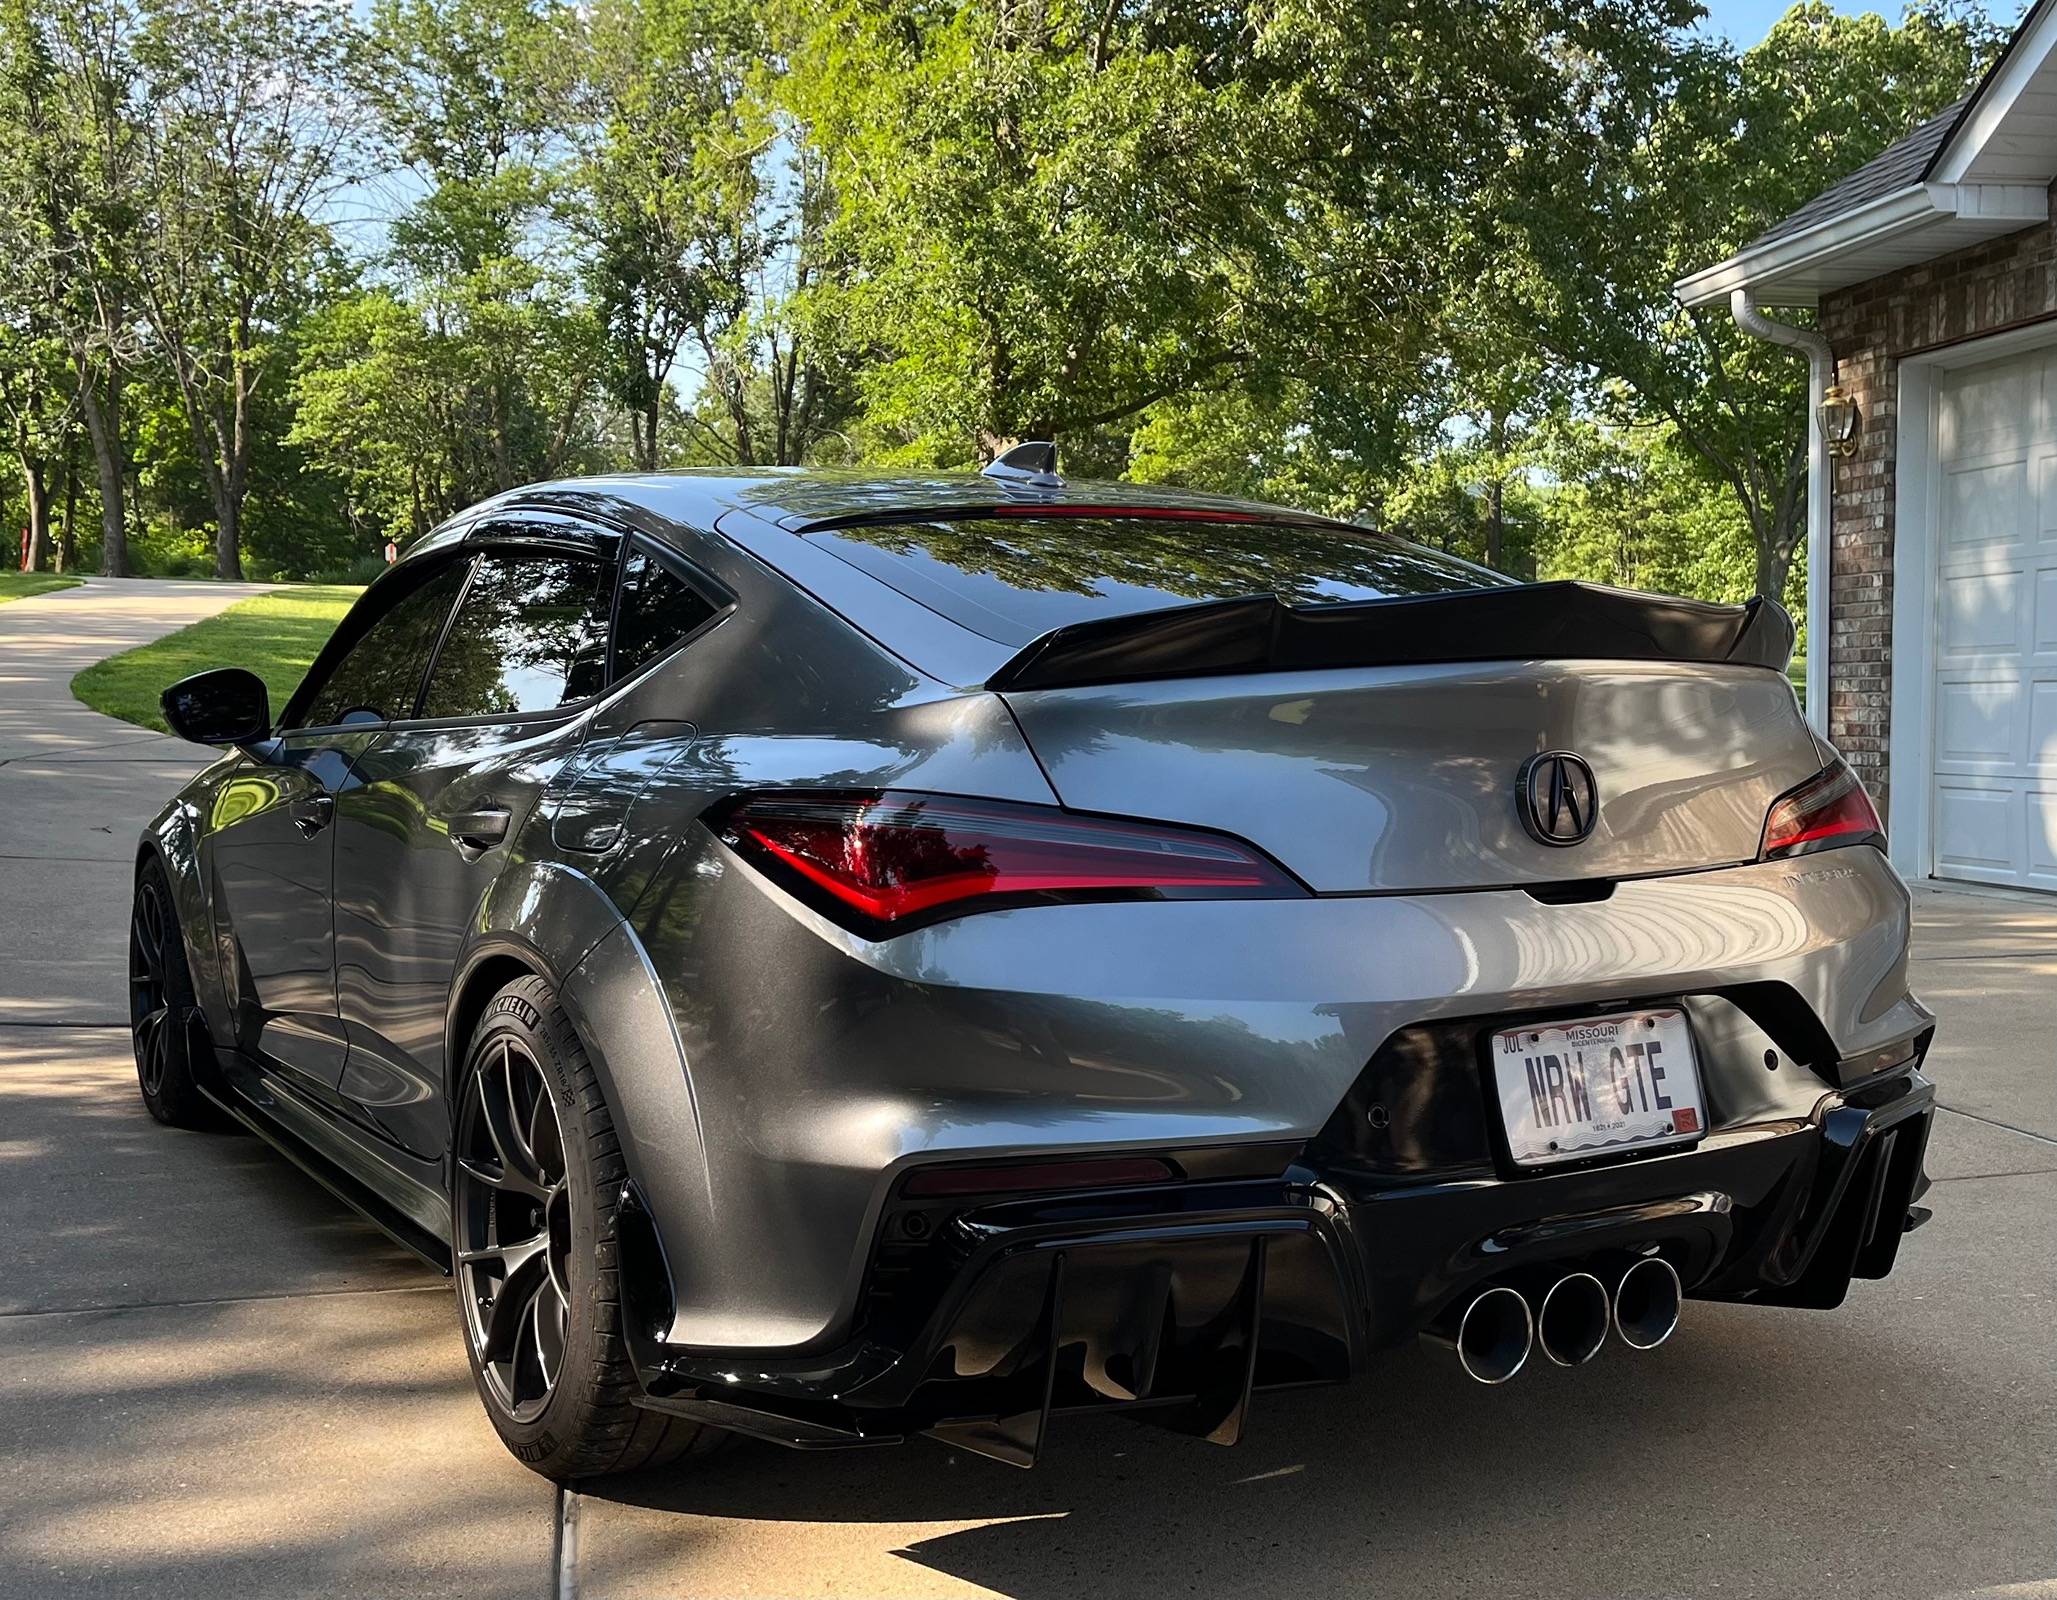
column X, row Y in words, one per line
column 514, row 1229
column 537, row 1186
column 164, row 1019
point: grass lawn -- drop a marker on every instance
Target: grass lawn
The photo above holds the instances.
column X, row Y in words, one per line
column 20, row 585
column 275, row 635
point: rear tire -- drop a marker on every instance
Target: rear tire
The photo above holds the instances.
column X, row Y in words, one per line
column 165, row 1026
column 536, row 1191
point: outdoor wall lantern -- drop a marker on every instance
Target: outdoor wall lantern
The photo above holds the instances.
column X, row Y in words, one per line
column 1838, row 418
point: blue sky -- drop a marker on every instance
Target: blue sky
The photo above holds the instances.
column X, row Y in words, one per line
column 1747, row 21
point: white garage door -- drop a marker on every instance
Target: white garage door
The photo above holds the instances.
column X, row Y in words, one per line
column 1994, row 793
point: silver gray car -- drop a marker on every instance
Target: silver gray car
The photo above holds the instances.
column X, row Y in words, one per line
column 832, row 958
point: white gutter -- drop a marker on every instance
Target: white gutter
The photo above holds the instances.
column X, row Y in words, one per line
column 1870, row 239
column 1821, row 368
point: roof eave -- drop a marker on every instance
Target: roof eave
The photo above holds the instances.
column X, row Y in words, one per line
column 1831, row 254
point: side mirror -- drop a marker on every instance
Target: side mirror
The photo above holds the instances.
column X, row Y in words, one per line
column 226, row 706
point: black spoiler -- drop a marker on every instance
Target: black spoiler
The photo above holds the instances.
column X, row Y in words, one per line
column 1518, row 622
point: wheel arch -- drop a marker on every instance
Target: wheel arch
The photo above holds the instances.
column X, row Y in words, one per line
column 172, row 841
column 490, row 969
column 552, row 921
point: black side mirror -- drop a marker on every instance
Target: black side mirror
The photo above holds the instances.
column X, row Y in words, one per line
column 226, row 706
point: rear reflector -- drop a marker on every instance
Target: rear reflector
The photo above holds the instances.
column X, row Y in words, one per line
column 881, row 862
column 1040, row 1177
column 1829, row 809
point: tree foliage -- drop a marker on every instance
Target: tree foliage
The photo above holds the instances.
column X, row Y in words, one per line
column 290, row 276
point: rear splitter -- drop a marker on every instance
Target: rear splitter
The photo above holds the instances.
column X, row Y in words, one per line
column 1175, row 1304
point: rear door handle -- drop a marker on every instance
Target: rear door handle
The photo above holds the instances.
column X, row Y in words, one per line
column 475, row 832
column 313, row 813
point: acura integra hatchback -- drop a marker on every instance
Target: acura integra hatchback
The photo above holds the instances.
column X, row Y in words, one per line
column 835, row 958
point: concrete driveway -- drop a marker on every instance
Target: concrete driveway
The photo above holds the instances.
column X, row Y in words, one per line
column 214, row 1381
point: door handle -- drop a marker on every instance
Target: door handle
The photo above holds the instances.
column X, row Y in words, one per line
column 475, row 832
column 313, row 813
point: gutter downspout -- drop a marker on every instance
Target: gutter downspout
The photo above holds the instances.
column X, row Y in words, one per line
column 1821, row 368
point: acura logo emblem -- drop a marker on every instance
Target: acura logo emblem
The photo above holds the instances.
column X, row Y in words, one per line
column 1557, row 797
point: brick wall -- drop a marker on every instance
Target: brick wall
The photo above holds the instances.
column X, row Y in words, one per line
column 1996, row 285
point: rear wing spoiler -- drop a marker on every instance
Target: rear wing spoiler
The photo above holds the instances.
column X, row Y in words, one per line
column 1517, row 622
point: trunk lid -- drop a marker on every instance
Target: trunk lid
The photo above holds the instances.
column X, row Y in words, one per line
column 1405, row 776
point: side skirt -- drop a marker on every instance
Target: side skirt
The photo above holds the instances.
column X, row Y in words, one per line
column 337, row 1162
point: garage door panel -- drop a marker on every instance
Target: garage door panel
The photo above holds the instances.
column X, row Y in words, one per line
column 1990, row 406
column 1979, row 832
column 1985, row 504
column 2040, row 814
column 1982, row 612
column 2043, row 613
column 1979, row 721
column 2041, row 754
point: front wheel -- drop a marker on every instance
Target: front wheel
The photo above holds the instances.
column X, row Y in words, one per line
column 534, row 1207
column 164, row 1018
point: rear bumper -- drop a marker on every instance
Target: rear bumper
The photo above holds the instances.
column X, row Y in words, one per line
column 1179, row 1301
column 776, row 1080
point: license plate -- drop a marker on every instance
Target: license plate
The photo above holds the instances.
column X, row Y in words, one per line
column 1569, row 1090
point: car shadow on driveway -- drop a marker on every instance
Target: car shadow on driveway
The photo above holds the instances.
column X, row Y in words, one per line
column 1893, row 1447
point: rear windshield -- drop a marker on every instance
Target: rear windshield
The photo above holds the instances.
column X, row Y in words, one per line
column 1013, row 579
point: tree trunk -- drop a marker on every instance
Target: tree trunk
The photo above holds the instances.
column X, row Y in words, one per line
column 1774, row 565
column 139, row 528
column 67, row 535
column 1496, row 521
column 647, row 445
column 39, row 512
column 231, row 481
column 228, row 538
column 103, row 427
column 503, row 458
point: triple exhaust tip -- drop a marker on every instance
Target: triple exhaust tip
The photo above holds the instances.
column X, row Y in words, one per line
column 1497, row 1329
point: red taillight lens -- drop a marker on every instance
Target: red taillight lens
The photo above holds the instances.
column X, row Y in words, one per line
column 1829, row 809
column 884, row 861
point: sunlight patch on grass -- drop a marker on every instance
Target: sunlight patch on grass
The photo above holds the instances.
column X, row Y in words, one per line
column 275, row 635
column 20, row 585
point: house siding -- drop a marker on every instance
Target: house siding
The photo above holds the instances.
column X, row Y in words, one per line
column 1993, row 286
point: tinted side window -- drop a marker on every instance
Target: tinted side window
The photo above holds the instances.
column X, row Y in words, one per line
column 658, row 608
column 531, row 634
column 380, row 677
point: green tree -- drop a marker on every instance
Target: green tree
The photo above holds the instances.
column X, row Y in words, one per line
column 245, row 141
column 669, row 200
column 1051, row 211
column 1593, row 233
column 471, row 93
column 70, row 94
column 1638, row 509
column 38, row 408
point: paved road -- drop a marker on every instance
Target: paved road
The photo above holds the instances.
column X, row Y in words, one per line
column 215, row 1382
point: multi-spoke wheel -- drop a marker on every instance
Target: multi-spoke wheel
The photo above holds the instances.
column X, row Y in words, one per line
column 513, row 1228
column 163, row 1017
column 537, row 1183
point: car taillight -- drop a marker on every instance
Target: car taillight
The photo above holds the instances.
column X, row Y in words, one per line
column 881, row 862
column 1829, row 809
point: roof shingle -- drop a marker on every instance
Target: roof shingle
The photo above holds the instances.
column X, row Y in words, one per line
column 1901, row 163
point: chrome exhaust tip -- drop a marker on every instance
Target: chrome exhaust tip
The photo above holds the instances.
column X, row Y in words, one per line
column 1572, row 1321
column 1494, row 1335
column 1646, row 1303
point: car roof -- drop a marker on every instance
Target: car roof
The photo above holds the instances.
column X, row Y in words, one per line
column 958, row 572
column 798, row 497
